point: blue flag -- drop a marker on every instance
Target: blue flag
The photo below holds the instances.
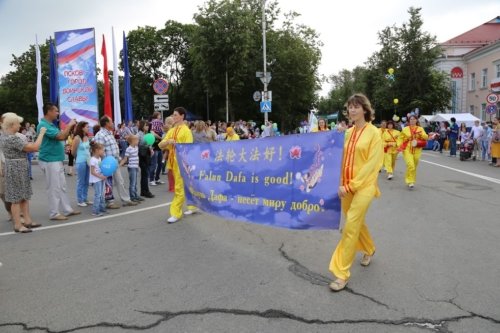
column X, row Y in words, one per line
column 128, row 90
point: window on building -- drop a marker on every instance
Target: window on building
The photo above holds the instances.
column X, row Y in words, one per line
column 498, row 70
column 484, row 78
column 472, row 83
column 471, row 109
column 483, row 111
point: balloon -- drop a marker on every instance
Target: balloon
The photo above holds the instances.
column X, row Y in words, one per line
column 262, row 127
column 275, row 126
column 149, row 139
column 395, row 118
column 108, row 166
column 396, row 101
column 390, row 71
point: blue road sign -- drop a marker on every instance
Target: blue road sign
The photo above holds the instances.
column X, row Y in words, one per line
column 490, row 109
column 265, row 106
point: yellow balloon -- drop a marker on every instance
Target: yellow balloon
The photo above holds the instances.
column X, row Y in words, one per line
column 390, row 70
column 396, row 101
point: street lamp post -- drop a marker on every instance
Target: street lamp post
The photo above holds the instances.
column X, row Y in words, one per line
column 264, row 53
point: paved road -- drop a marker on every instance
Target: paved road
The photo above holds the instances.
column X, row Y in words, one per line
column 436, row 268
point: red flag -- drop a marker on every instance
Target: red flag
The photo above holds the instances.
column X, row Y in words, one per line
column 107, row 93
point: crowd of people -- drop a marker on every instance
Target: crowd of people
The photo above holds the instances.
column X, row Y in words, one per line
column 148, row 150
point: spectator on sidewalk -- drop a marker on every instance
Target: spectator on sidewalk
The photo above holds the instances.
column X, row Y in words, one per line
column 106, row 138
column 453, row 136
column 81, row 149
column 51, row 157
column 155, row 166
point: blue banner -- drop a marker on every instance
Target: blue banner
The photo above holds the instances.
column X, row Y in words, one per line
column 77, row 77
column 287, row 181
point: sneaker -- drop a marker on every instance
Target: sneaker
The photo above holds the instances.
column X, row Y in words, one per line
column 129, row 203
column 158, row 182
column 172, row 219
column 148, row 195
column 82, row 204
column 112, row 206
column 153, row 183
column 139, row 199
column 98, row 214
column 190, row 212
column 411, row 186
column 389, row 176
column 135, row 200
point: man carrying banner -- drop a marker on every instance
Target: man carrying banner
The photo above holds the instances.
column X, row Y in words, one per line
column 363, row 157
column 179, row 133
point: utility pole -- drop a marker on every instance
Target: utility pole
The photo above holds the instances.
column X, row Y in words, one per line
column 264, row 53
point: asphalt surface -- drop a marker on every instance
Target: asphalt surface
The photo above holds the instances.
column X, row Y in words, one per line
column 436, row 268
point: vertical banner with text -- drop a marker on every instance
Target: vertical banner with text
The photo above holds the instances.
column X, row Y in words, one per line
column 76, row 68
column 289, row 181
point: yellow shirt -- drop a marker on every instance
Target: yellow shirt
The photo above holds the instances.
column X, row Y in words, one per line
column 180, row 134
column 363, row 158
column 233, row 137
column 408, row 134
column 390, row 140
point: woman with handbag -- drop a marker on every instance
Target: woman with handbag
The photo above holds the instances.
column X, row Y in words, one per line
column 411, row 141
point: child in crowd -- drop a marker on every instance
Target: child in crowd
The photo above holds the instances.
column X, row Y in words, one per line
column 97, row 179
column 132, row 157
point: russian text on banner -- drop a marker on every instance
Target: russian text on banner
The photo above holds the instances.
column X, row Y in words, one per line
column 77, row 78
column 288, row 181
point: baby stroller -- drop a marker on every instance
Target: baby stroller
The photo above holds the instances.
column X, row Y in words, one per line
column 466, row 150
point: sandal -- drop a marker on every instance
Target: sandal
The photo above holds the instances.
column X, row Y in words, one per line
column 338, row 285
column 23, row 230
column 32, row 225
column 365, row 261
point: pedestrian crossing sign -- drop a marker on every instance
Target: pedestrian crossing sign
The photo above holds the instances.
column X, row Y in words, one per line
column 265, row 106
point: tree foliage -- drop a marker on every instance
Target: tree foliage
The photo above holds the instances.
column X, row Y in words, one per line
column 416, row 84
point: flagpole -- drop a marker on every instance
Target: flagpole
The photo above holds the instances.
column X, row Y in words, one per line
column 39, row 96
column 116, row 84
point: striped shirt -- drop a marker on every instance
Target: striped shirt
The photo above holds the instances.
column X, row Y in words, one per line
column 132, row 153
column 107, row 139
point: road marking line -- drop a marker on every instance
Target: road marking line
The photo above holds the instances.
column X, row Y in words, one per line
column 490, row 179
column 93, row 219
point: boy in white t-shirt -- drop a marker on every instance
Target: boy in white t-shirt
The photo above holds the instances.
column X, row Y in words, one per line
column 132, row 157
column 97, row 179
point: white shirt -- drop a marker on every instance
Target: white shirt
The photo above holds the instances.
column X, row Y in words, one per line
column 95, row 162
column 477, row 132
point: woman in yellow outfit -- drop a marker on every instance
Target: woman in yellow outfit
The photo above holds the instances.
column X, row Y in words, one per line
column 231, row 134
column 389, row 139
column 411, row 141
column 362, row 160
column 179, row 133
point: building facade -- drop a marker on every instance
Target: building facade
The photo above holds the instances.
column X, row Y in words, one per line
column 472, row 60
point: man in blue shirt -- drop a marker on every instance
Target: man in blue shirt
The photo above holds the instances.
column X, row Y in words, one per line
column 51, row 157
column 453, row 137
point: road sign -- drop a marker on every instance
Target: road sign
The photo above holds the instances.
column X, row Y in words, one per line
column 161, row 106
column 160, row 86
column 492, row 98
column 256, row 96
column 265, row 106
column 160, row 98
column 267, row 96
column 491, row 109
column 263, row 79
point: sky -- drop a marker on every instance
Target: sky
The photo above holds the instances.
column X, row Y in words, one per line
column 348, row 29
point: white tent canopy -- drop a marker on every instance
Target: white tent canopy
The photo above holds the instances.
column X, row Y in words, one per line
column 466, row 118
column 423, row 118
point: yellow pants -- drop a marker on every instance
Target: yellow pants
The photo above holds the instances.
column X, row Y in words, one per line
column 179, row 196
column 355, row 235
column 411, row 165
column 390, row 161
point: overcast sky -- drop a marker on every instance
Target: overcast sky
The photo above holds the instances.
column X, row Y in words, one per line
column 348, row 29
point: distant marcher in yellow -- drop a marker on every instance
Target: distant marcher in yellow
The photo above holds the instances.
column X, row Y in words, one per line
column 363, row 158
column 179, row 133
column 411, row 141
column 231, row 135
column 390, row 141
